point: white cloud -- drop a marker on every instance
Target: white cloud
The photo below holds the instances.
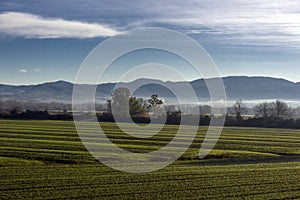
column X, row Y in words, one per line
column 261, row 22
column 23, row 70
column 34, row 26
column 37, row 69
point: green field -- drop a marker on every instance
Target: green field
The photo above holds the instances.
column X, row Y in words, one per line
column 46, row 160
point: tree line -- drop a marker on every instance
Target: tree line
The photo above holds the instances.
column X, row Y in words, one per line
column 123, row 105
column 266, row 114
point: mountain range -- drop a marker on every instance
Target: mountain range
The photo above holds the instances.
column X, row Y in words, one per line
column 237, row 87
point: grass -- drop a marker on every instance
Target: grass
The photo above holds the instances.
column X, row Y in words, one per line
column 11, row 161
column 46, row 160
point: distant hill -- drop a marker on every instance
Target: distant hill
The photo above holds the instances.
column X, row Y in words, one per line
column 237, row 87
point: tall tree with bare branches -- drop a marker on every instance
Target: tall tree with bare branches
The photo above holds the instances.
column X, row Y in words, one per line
column 238, row 109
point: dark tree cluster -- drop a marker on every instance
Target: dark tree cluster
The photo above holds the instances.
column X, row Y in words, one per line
column 123, row 104
column 276, row 110
column 267, row 114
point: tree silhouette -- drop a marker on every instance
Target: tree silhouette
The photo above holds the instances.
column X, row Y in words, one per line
column 280, row 109
column 262, row 110
column 154, row 104
column 123, row 105
column 239, row 108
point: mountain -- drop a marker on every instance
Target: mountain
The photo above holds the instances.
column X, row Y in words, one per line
column 237, row 87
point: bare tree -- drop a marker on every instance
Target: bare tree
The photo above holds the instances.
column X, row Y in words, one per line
column 154, row 105
column 280, row 109
column 262, row 110
column 238, row 109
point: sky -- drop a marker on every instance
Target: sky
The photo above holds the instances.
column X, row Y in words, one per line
column 42, row 41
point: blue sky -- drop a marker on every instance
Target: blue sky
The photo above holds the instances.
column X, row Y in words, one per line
column 44, row 41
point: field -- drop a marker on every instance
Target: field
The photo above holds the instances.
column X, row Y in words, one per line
column 46, row 160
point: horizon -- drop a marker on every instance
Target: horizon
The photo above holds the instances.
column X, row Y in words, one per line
column 129, row 81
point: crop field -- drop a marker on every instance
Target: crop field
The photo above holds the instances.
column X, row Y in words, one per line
column 47, row 160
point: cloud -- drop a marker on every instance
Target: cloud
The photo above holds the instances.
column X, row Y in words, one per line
column 236, row 22
column 34, row 26
column 257, row 22
column 37, row 69
column 23, row 70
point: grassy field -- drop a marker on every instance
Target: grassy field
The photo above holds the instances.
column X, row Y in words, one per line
column 46, row 160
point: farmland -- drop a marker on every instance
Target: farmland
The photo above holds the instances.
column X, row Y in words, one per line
column 46, row 160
